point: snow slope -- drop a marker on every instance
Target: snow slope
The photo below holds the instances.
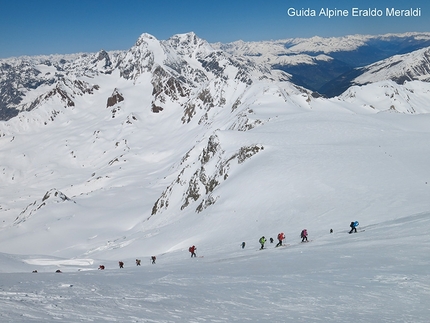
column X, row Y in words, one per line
column 92, row 183
column 376, row 275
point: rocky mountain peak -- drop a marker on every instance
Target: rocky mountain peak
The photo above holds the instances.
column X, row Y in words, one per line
column 144, row 38
column 189, row 44
column 103, row 56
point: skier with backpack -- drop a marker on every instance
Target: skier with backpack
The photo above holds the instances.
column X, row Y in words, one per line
column 153, row 258
column 353, row 227
column 281, row 236
column 262, row 242
column 192, row 250
column 304, row 235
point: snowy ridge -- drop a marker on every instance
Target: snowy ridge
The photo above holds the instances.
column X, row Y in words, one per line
column 399, row 68
column 388, row 96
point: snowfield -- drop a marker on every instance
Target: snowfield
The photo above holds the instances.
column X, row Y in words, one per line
column 380, row 274
column 93, row 184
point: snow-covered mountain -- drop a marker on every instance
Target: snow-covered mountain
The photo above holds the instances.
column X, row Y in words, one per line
column 24, row 79
column 183, row 62
column 125, row 155
column 398, row 68
column 314, row 63
column 319, row 63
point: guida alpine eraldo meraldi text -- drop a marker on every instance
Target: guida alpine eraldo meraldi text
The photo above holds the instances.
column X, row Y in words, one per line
column 354, row 12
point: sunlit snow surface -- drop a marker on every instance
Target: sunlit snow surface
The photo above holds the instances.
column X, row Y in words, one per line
column 379, row 275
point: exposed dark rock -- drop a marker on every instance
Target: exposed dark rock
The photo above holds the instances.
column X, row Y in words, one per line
column 156, row 108
column 115, row 98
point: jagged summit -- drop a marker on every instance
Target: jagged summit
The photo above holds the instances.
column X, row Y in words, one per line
column 103, row 56
column 189, row 39
column 180, row 68
column 189, row 44
column 145, row 37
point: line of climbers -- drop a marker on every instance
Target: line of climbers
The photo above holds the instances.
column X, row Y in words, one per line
column 262, row 241
column 281, row 238
column 303, row 236
column 138, row 263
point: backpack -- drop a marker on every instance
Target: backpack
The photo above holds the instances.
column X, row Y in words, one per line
column 190, row 249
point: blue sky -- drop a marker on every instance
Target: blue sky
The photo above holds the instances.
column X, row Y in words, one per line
column 32, row 27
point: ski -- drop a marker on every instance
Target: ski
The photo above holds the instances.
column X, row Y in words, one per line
column 357, row 231
column 283, row 245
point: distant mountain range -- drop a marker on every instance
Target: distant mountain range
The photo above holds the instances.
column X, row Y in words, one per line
column 328, row 66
